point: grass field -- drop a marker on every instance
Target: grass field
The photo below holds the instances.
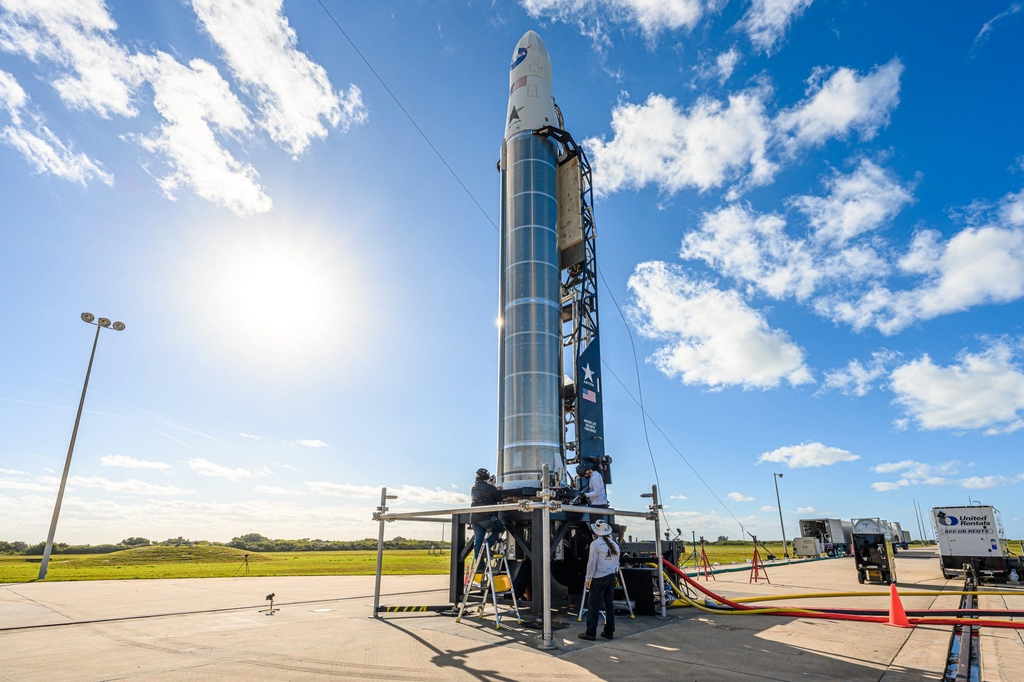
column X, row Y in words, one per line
column 206, row 561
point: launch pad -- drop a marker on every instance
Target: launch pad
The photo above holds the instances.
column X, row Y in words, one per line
column 550, row 404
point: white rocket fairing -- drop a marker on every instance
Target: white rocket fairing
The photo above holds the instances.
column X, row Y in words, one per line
column 530, row 427
column 531, row 105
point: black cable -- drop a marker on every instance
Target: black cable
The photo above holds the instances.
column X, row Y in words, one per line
column 673, row 445
column 639, row 387
column 408, row 115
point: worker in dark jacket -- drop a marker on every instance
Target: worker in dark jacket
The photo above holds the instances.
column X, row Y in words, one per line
column 485, row 494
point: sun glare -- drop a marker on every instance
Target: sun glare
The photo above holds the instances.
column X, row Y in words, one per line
column 280, row 299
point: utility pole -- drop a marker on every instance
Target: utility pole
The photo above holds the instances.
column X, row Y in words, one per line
column 785, row 547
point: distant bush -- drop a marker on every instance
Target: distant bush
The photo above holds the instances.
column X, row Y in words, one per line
column 252, row 542
column 135, row 542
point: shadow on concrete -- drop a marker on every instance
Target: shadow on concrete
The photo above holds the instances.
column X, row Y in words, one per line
column 708, row 647
column 457, row 660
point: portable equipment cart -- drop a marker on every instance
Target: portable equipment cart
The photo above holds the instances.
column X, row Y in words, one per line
column 873, row 552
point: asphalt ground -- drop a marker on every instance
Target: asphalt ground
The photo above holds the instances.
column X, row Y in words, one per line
column 214, row 629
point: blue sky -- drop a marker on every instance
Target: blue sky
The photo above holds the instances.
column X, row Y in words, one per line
column 811, row 214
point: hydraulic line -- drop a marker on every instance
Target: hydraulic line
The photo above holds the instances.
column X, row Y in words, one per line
column 741, row 609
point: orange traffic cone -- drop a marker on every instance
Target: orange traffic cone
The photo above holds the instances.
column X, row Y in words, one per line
column 897, row 616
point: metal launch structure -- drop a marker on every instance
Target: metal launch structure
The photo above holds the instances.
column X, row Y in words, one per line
column 550, row 416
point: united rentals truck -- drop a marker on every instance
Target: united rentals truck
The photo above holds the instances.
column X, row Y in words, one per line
column 972, row 536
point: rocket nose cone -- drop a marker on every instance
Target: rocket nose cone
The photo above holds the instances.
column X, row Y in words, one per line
column 531, row 50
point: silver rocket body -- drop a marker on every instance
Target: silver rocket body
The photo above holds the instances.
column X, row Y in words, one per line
column 530, row 426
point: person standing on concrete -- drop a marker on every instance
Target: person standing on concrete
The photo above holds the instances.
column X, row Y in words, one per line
column 602, row 567
column 595, row 492
column 485, row 494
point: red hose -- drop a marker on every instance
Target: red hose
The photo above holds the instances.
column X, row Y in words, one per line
column 812, row 613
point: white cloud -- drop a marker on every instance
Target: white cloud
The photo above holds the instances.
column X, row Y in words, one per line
column 986, row 29
column 858, row 379
column 312, row 443
column 767, row 21
column 844, row 102
column 131, row 462
column 98, row 73
column 128, row 487
column 739, row 497
column 275, row 490
column 808, row 455
column 406, row 493
column 98, row 519
column 195, row 100
column 678, row 497
column 293, row 93
column 767, row 508
column 37, row 143
column 980, row 391
column 857, row 203
column 715, row 142
column 249, row 436
column 12, row 484
column 918, row 473
column 807, row 510
column 204, row 467
column 658, row 142
column 726, row 63
column 77, row 36
column 978, row 265
column 754, row 248
column 713, row 337
column 12, row 471
column 591, row 16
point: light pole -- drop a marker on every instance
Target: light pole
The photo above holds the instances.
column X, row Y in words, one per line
column 101, row 323
column 785, row 548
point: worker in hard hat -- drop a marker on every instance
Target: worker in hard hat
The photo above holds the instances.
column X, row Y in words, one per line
column 602, row 567
column 595, row 492
column 485, row 494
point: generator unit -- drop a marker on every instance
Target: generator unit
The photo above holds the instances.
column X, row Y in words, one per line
column 829, row 532
column 972, row 537
column 873, row 552
column 807, row 547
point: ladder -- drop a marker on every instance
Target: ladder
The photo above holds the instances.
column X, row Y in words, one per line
column 622, row 583
column 493, row 579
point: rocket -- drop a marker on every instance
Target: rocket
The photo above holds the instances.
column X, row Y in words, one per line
column 530, row 416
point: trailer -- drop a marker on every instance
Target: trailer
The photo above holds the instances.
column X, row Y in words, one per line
column 972, row 538
column 897, row 536
column 829, row 532
column 873, row 552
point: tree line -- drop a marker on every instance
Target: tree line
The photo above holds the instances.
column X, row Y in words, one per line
column 253, row 542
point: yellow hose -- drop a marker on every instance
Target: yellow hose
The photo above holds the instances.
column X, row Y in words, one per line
column 825, row 595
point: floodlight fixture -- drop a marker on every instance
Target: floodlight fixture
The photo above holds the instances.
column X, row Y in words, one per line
column 102, row 323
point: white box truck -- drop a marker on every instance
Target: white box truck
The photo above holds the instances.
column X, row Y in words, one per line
column 972, row 536
column 897, row 536
column 829, row 532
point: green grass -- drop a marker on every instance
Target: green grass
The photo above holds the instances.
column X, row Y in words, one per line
column 733, row 552
column 207, row 561
column 204, row 561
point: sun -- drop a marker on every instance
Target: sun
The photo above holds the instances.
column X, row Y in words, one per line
column 281, row 298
